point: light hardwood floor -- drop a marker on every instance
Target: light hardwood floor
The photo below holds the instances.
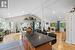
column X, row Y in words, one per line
column 61, row 44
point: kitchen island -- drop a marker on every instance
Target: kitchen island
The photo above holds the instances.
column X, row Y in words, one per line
column 37, row 41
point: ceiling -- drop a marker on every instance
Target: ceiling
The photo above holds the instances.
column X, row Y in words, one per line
column 41, row 8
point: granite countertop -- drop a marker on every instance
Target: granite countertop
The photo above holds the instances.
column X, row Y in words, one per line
column 38, row 39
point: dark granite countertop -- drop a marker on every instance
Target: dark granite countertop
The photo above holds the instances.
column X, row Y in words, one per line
column 38, row 39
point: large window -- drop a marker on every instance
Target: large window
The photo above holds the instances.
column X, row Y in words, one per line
column 4, row 24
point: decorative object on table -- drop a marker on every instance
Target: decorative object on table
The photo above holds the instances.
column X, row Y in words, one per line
column 29, row 30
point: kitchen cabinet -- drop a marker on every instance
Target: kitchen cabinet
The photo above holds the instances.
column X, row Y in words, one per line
column 37, row 42
column 70, row 28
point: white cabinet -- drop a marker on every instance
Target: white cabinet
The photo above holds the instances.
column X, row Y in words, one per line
column 70, row 28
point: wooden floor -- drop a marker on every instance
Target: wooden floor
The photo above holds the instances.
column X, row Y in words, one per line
column 61, row 44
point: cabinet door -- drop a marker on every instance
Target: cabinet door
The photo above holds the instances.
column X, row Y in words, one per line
column 27, row 45
column 30, row 47
column 46, row 46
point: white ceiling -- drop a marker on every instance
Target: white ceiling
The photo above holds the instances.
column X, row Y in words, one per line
column 43, row 8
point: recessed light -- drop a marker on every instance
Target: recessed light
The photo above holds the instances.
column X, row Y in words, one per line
column 53, row 12
column 22, row 11
column 8, row 13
